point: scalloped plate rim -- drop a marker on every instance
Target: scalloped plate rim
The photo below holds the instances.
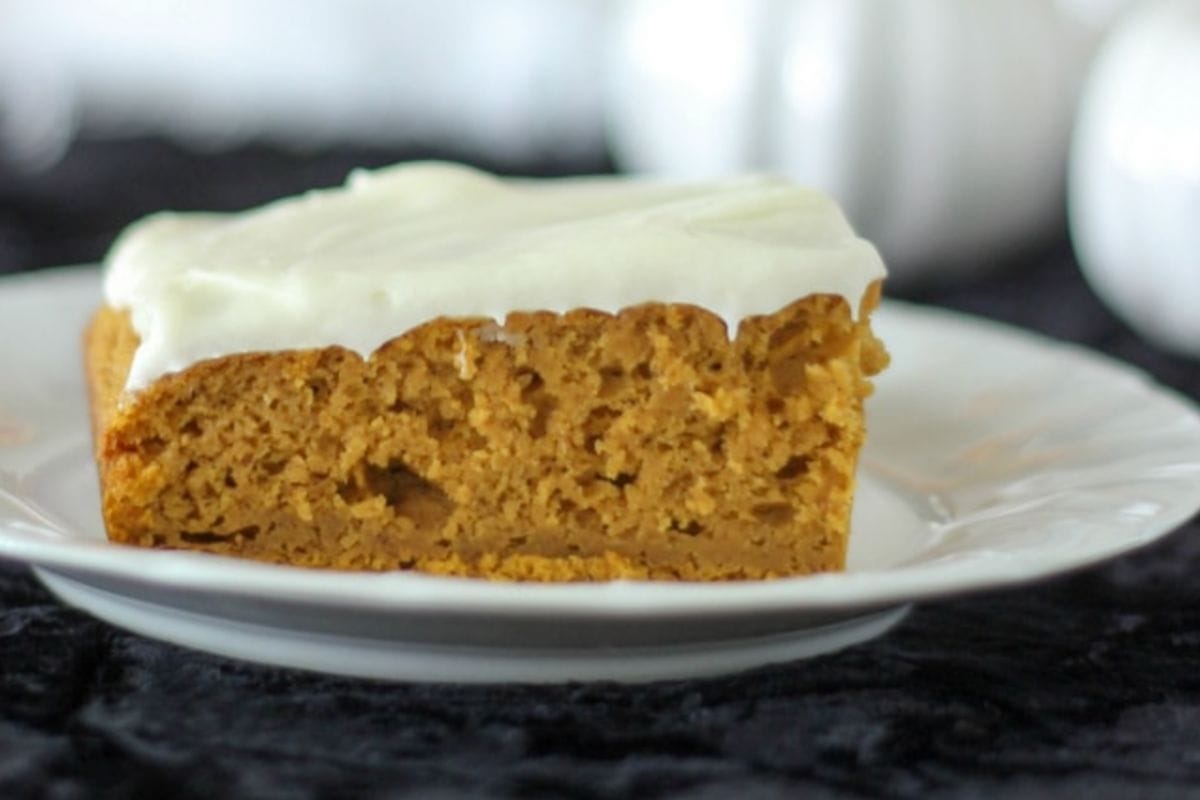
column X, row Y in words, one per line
column 414, row 592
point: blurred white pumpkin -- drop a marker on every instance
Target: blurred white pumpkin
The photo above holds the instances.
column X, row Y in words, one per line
column 1135, row 173
column 1095, row 15
column 941, row 126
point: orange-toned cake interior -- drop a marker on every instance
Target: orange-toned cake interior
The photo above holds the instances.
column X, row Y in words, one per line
column 576, row 446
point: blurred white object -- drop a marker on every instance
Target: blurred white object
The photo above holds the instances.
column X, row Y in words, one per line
column 1096, row 15
column 517, row 79
column 941, row 126
column 1135, row 173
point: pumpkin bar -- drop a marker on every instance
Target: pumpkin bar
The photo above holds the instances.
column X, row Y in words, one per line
column 435, row 369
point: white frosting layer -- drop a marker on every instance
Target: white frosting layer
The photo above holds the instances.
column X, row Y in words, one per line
column 361, row 264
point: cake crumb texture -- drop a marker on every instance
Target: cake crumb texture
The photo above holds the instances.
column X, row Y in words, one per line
column 580, row 446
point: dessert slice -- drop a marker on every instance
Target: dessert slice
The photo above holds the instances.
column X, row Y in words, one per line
column 435, row 369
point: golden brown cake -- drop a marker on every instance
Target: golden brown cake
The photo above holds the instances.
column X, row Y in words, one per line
column 649, row 441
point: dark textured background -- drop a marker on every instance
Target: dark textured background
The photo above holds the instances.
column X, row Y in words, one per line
column 1087, row 686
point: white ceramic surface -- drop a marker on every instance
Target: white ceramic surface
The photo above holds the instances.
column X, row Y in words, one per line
column 996, row 458
column 1134, row 196
column 941, row 126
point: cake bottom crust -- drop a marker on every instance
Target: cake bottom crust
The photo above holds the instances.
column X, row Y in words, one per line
column 581, row 446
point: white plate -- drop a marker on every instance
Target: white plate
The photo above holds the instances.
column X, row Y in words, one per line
column 995, row 458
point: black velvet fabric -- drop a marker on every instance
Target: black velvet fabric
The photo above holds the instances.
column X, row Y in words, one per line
column 1084, row 686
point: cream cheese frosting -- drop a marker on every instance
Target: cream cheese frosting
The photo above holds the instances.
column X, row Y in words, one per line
column 391, row 249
